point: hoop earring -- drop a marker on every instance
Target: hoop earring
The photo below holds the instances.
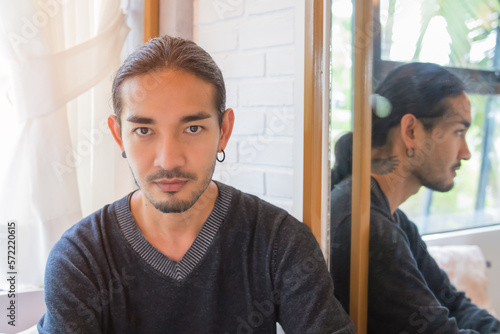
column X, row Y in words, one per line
column 412, row 152
column 223, row 156
column 124, row 155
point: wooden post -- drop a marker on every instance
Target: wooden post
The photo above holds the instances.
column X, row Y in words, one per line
column 363, row 62
column 151, row 19
column 313, row 104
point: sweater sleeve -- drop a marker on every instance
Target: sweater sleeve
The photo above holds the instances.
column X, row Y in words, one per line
column 71, row 295
column 303, row 289
column 466, row 314
column 403, row 287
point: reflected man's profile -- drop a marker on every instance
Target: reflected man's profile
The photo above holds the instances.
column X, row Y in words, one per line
column 420, row 115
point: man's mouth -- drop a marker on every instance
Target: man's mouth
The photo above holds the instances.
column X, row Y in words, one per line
column 455, row 168
column 171, row 180
column 170, row 185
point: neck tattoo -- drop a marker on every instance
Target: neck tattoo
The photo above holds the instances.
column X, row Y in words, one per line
column 383, row 166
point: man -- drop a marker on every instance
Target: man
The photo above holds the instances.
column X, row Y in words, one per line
column 419, row 121
column 184, row 254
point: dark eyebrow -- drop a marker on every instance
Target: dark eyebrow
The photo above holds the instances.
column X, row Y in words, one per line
column 140, row 120
column 465, row 123
column 196, row 117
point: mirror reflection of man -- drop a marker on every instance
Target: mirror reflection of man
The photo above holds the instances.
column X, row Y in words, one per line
column 419, row 120
column 184, row 254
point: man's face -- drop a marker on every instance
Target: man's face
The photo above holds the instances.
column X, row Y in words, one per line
column 445, row 147
column 171, row 135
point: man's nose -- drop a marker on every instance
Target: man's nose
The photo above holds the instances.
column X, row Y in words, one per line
column 169, row 154
column 465, row 153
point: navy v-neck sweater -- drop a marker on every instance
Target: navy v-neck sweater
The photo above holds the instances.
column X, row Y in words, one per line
column 407, row 291
column 251, row 265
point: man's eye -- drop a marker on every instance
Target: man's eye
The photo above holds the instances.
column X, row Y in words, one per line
column 143, row 131
column 193, row 129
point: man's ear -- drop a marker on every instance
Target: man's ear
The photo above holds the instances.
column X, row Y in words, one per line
column 226, row 128
column 115, row 130
column 409, row 128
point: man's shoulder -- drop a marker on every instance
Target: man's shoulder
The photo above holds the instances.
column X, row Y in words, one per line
column 342, row 190
column 250, row 211
column 253, row 206
column 93, row 230
column 99, row 217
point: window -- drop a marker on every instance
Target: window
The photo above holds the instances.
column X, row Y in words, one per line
column 463, row 37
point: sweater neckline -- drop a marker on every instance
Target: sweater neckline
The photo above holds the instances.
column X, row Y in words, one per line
column 382, row 199
column 195, row 254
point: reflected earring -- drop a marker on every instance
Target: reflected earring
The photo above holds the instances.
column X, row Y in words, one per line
column 412, row 152
column 124, row 155
column 223, row 156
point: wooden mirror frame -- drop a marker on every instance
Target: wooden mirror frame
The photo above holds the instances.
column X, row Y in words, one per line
column 314, row 87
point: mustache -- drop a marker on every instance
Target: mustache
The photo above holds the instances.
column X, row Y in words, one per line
column 170, row 174
column 458, row 165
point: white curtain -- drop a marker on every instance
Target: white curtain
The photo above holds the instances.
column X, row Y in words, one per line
column 58, row 160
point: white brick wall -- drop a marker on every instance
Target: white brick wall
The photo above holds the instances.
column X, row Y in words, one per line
column 220, row 37
column 241, row 65
column 280, row 62
column 266, row 6
column 279, row 183
column 249, row 121
column 254, row 43
column 269, row 31
column 266, row 93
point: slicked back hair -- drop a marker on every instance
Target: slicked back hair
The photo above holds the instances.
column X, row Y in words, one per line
column 170, row 53
column 419, row 89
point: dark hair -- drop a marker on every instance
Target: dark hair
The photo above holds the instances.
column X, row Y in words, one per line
column 416, row 88
column 173, row 53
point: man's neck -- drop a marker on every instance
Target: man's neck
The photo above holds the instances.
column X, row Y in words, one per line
column 172, row 233
column 397, row 186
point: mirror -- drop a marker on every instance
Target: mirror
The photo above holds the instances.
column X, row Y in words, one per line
column 461, row 36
